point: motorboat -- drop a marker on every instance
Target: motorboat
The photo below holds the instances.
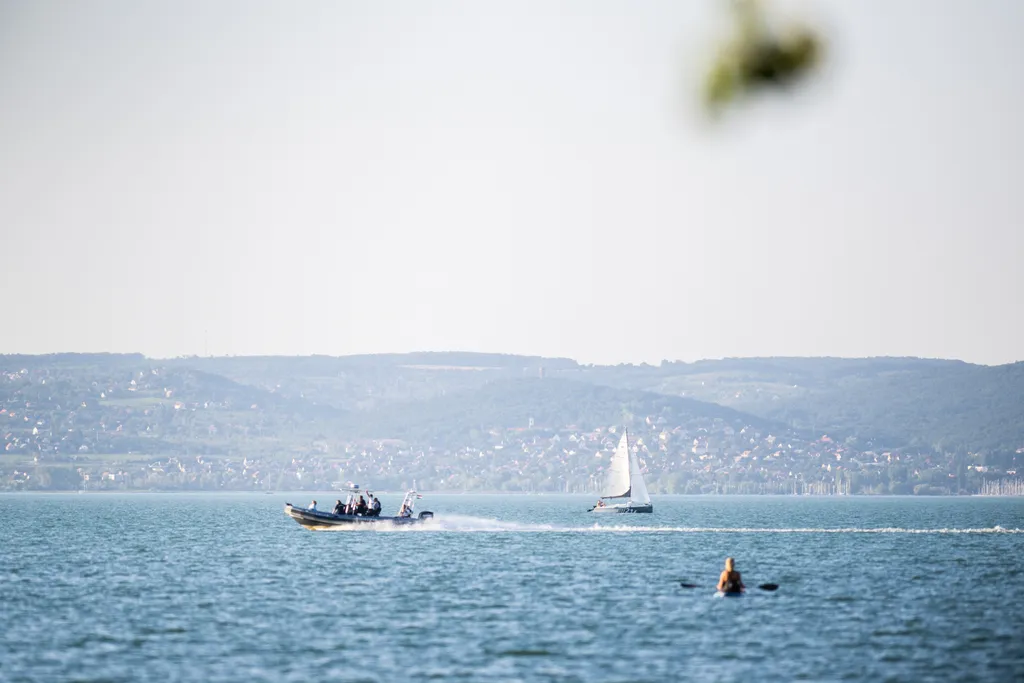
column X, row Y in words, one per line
column 312, row 518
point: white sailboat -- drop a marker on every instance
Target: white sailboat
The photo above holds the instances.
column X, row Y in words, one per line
column 625, row 483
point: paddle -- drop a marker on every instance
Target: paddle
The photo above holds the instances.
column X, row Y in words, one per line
column 763, row 586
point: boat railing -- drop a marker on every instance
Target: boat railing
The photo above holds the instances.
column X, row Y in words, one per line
column 409, row 501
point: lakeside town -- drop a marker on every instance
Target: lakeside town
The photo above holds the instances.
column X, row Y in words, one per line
column 162, row 429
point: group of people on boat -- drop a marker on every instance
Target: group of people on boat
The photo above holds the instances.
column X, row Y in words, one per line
column 353, row 506
column 361, row 506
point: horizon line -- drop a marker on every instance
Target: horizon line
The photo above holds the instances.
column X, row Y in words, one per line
column 661, row 363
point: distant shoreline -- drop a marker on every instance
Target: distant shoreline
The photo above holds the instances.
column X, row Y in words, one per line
column 397, row 492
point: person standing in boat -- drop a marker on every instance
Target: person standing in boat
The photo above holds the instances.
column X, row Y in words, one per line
column 730, row 580
column 375, row 508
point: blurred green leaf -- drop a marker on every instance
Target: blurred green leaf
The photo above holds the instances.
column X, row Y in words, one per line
column 757, row 57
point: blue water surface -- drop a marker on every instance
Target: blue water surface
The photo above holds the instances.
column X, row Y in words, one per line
column 190, row 587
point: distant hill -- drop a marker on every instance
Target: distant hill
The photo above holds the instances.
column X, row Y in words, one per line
column 551, row 404
column 368, row 382
column 69, row 378
column 463, row 421
column 892, row 401
column 63, row 404
column 886, row 402
column 15, row 361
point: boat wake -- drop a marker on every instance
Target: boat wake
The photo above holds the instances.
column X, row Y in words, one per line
column 470, row 524
column 797, row 530
column 456, row 523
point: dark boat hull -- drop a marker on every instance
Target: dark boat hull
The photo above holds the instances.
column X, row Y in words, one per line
column 315, row 519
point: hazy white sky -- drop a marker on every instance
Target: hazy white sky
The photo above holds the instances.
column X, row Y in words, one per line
column 250, row 177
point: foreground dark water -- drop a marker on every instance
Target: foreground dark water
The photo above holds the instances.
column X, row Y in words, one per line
column 226, row 588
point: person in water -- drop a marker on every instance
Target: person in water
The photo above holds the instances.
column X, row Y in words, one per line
column 730, row 580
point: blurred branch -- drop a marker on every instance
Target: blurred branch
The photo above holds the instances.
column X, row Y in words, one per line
column 757, row 57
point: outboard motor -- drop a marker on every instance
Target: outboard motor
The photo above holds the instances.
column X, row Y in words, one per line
column 426, row 514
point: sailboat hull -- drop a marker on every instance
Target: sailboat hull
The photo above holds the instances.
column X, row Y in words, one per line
column 622, row 509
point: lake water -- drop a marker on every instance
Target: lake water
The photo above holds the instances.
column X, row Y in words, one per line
column 183, row 587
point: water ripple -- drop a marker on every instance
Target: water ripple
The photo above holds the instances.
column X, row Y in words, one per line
column 226, row 588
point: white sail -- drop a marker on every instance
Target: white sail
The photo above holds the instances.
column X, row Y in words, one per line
column 617, row 483
column 636, row 479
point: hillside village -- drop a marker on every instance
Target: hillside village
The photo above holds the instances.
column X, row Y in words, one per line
column 129, row 423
